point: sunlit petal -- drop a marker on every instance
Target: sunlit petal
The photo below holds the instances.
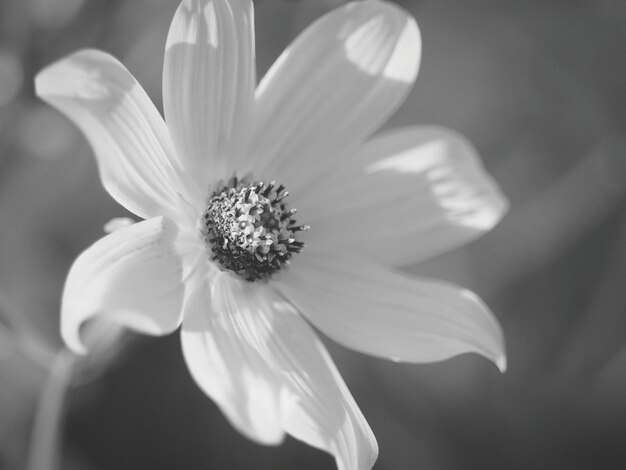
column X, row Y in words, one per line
column 376, row 311
column 137, row 164
column 208, row 84
column 404, row 197
column 335, row 85
column 259, row 360
column 132, row 276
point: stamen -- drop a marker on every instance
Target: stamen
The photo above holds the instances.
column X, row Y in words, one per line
column 249, row 229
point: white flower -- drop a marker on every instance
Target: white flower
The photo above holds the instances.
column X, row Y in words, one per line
column 225, row 256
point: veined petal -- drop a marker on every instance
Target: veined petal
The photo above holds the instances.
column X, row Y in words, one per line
column 250, row 351
column 371, row 309
column 404, row 197
column 137, row 164
column 132, row 277
column 209, row 78
column 332, row 87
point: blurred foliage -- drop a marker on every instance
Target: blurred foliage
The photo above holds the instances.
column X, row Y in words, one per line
column 538, row 86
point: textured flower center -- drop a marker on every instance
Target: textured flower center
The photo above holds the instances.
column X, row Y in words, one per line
column 249, row 228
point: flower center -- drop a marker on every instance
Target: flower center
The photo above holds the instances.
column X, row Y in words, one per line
column 249, row 228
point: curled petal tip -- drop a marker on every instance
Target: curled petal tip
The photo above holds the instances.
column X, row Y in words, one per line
column 73, row 342
column 501, row 362
column 131, row 277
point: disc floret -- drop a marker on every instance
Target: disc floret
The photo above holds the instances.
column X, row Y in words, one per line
column 249, row 228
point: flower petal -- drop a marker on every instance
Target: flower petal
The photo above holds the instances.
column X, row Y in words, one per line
column 336, row 84
column 250, row 351
column 137, row 164
column 209, row 78
column 404, row 197
column 132, row 277
column 376, row 311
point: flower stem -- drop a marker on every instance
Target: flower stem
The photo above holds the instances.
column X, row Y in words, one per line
column 46, row 436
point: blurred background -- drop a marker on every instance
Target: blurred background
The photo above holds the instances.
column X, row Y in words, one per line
column 538, row 86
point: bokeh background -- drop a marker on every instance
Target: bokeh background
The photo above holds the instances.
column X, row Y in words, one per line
column 538, row 85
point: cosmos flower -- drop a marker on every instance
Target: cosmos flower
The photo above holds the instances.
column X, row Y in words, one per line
column 223, row 252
